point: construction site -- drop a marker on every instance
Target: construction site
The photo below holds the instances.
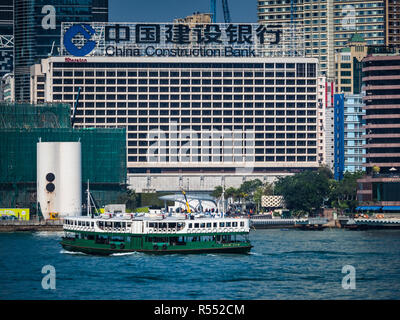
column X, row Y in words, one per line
column 22, row 126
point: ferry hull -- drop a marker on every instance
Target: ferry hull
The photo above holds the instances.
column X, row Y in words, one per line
column 243, row 249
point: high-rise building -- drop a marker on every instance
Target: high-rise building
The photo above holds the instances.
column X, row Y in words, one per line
column 365, row 17
column 381, row 78
column 349, row 131
column 37, row 29
column 349, row 66
column 328, row 24
column 6, row 37
column 7, row 88
column 325, row 127
column 315, row 18
column 205, row 118
column 392, row 20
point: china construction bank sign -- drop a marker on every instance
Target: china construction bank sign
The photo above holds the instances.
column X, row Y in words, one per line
column 180, row 40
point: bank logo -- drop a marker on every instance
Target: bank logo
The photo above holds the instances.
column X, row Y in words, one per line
column 79, row 30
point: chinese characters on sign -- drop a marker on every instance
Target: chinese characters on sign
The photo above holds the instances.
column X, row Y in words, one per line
column 143, row 39
column 180, row 34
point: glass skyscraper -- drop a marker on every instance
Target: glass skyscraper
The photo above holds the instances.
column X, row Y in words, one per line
column 6, row 37
column 37, row 27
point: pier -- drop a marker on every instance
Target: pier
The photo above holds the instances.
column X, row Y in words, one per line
column 260, row 222
column 31, row 225
column 364, row 224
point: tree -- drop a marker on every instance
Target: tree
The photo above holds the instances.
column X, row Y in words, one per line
column 231, row 192
column 343, row 193
column 217, row 193
column 130, row 199
column 267, row 189
column 248, row 187
column 304, row 191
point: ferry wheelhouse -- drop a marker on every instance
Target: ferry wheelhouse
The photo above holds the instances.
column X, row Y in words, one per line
column 107, row 235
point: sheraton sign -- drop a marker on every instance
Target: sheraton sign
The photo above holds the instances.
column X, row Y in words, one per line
column 180, row 40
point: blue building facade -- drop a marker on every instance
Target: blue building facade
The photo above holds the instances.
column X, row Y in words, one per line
column 338, row 104
column 348, row 131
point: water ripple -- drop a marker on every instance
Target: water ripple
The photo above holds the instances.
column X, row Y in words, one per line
column 282, row 265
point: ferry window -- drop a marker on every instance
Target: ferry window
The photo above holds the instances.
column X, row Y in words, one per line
column 209, row 225
column 116, row 238
column 172, row 225
column 123, row 224
column 215, row 224
column 92, row 224
column 151, row 225
column 203, row 225
column 242, row 223
column 79, row 223
column 234, row 224
column 190, row 226
column 196, row 225
column 228, row 224
column 128, row 225
column 222, row 224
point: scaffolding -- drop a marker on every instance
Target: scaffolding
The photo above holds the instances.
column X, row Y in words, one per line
column 21, row 127
column 27, row 116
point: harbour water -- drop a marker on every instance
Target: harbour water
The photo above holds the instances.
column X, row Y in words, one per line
column 284, row 264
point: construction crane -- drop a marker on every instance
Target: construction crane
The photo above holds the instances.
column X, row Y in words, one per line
column 75, row 107
column 187, row 203
column 225, row 8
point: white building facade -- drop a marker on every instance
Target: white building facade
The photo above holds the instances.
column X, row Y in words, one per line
column 194, row 122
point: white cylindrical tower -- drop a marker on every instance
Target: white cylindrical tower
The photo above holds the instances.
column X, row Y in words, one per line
column 47, row 169
column 59, row 182
column 69, row 198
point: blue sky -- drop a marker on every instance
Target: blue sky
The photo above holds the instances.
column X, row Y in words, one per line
column 168, row 10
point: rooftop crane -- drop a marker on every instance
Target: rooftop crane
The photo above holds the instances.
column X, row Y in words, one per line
column 225, row 8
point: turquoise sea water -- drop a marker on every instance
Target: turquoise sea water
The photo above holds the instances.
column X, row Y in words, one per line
column 284, row 264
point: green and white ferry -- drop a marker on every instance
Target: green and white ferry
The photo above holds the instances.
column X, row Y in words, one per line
column 108, row 234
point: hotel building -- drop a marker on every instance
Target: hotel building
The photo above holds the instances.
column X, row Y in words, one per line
column 203, row 105
column 194, row 122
